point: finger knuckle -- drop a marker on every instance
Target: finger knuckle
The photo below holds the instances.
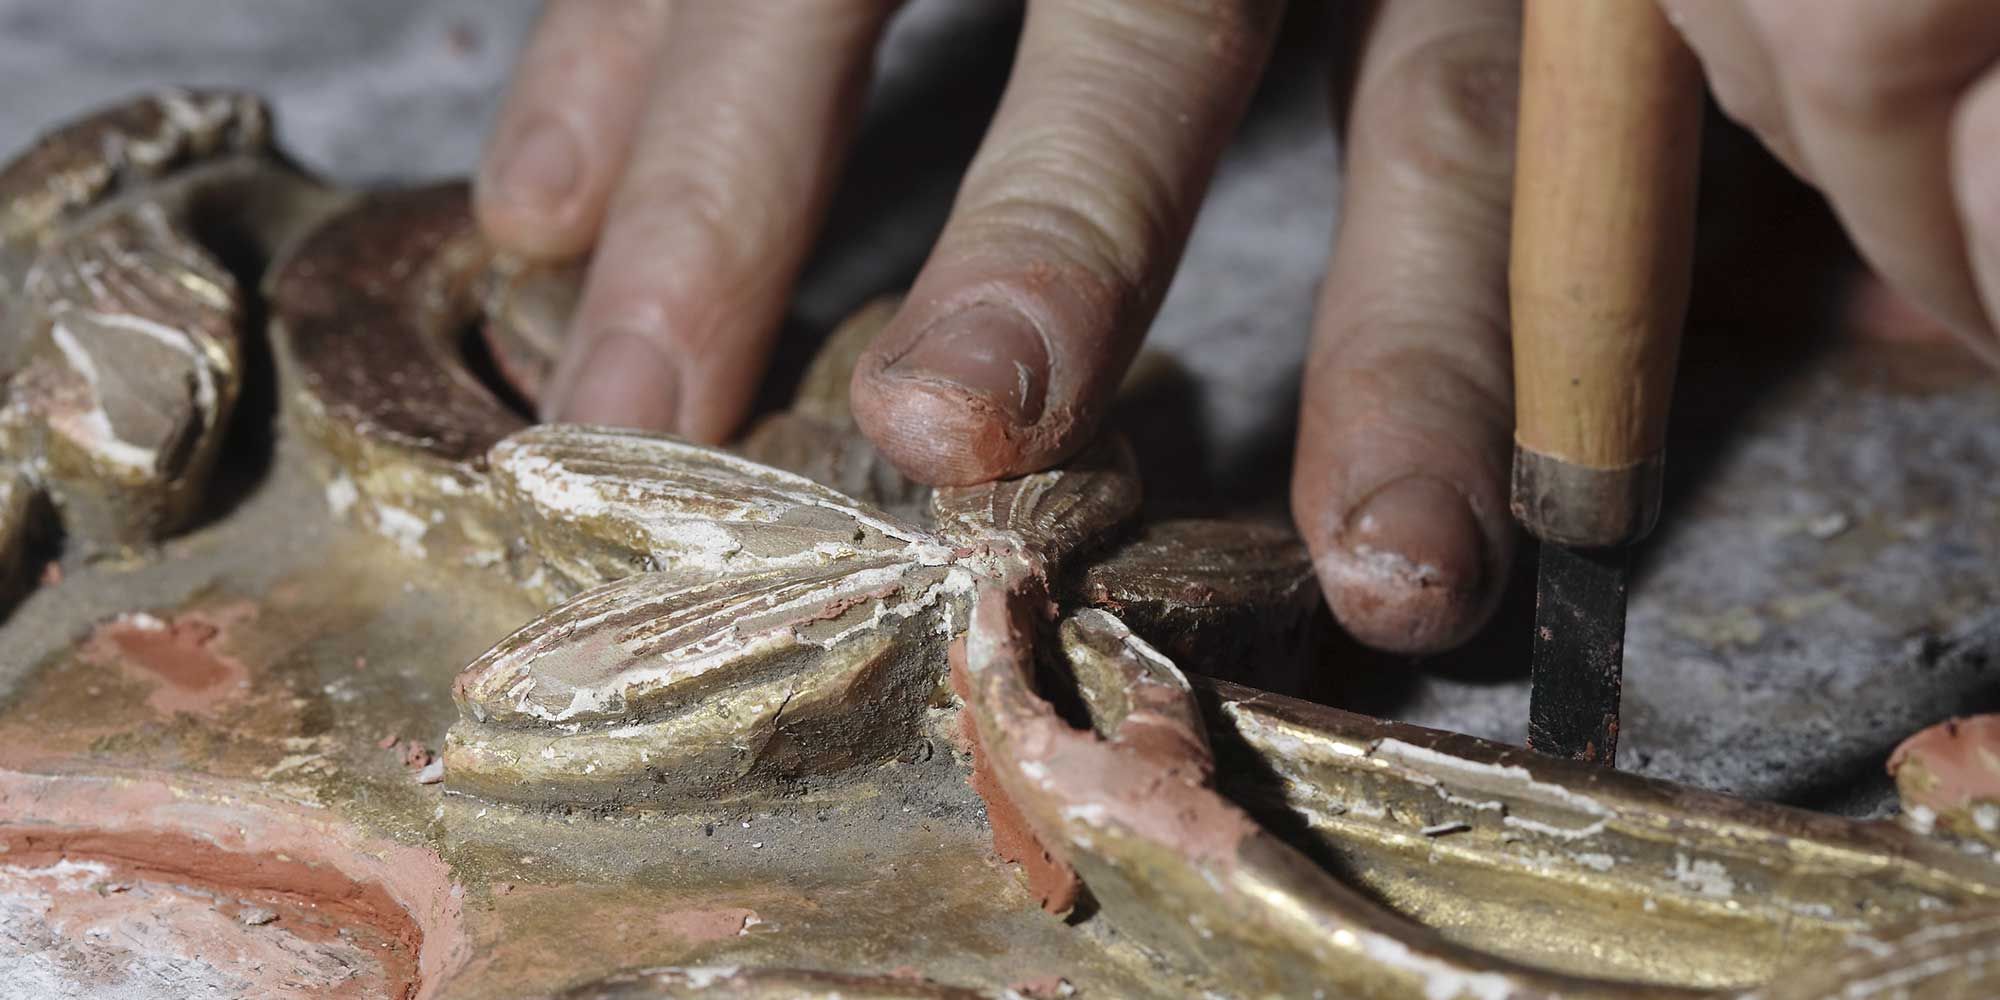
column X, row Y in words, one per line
column 1404, row 368
column 707, row 214
column 576, row 27
column 1064, row 242
column 1228, row 37
column 676, row 266
column 1445, row 108
column 829, row 22
column 1858, row 60
column 1084, row 200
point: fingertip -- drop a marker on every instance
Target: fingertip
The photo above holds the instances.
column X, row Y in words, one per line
column 1408, row 569
column 1062, row 238
column 965, row 399
column 936, row 434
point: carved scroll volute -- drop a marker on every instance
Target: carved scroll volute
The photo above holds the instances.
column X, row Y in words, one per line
column 1166, row 857
column 121, row 331
column 120, row 149
column 367, row 316
column 130, row 377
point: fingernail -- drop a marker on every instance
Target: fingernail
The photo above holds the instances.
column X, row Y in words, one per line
column 1408, row 570
column 624, row 381
column 540, row 167
column 1423, row 524
column 990, row 351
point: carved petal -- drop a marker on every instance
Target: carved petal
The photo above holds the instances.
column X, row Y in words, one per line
column 650, row 687
column 650, row 645
column 599, row 504
column 1054, row 512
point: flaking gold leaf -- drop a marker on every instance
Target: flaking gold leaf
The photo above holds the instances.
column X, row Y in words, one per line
column 653, row 644
column 600, row 504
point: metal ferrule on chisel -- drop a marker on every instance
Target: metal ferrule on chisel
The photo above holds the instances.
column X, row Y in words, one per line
column 1583, row 507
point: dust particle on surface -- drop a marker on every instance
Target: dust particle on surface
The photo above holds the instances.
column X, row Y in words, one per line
column 703, row 926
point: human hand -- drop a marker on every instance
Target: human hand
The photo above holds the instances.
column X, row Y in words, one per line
column 701, row 186
column 695, row 144
column 1892, row 112
column 1887, row 109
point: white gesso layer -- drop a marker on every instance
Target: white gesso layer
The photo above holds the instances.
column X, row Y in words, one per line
column 727, row 645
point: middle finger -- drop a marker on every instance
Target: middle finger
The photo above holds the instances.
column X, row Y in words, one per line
column 729, row 179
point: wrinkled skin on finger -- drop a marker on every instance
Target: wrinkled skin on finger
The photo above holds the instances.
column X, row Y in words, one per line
column 1060, row 245
column 1892, row 111
column 691, row 148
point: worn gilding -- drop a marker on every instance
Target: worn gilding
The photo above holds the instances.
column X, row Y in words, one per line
column 701, row 718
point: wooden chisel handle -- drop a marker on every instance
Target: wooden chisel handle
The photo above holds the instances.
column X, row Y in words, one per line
column 1604, row 189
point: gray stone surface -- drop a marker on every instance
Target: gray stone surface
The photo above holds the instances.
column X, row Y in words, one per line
column 1824, row 590
column 1823, row 584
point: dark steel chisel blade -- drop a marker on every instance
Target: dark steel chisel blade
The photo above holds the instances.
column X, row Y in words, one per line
column 1579, row 653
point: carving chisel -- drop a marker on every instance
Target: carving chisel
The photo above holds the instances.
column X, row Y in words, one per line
column 1604, row 187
